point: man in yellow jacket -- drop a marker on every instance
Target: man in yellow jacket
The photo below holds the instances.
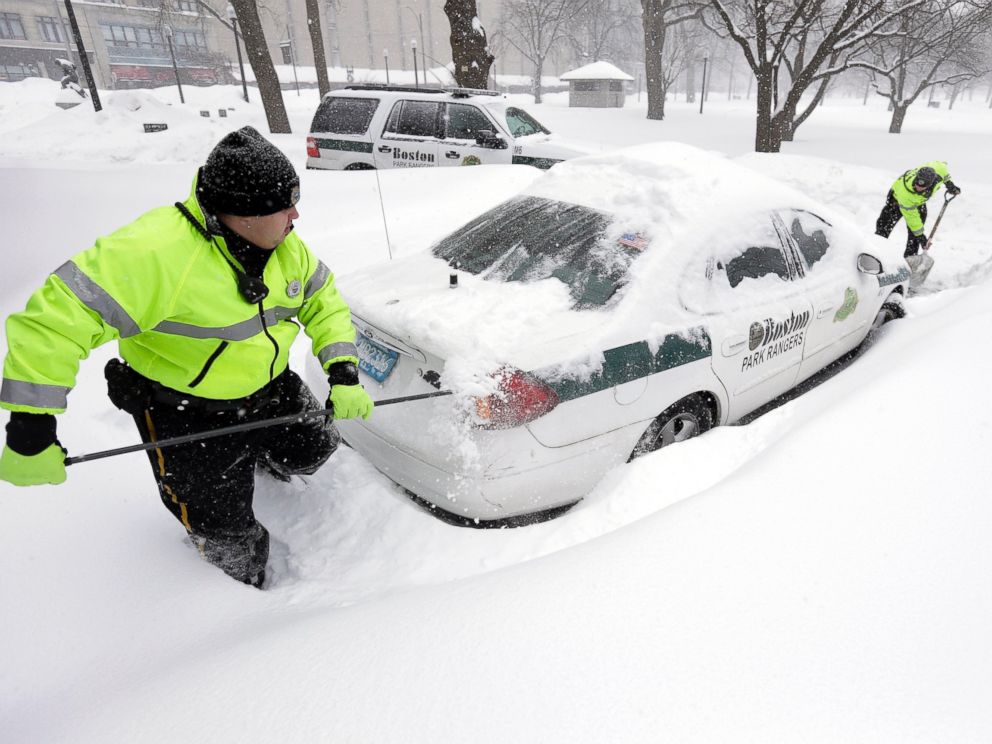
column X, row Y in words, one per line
column 908, row 199
column 201, row 297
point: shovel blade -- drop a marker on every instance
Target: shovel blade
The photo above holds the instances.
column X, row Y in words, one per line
column 920, row 266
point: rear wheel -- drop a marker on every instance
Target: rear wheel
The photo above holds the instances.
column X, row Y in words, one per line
column 683, row 420
column 890, row 310
column 359, row 166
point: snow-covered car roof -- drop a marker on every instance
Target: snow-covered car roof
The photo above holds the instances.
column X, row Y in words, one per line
column 666, row 202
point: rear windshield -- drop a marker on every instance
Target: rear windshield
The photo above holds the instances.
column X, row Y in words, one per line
column 344, row 115
column 528, row 239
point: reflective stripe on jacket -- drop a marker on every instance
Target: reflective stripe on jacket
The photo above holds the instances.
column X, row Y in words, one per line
column 170, row 298
column 909, row 201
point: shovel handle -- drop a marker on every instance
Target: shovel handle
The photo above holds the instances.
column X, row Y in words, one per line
column 288, row 419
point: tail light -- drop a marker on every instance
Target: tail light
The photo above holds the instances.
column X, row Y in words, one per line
column 312, row 150
column 519, row 398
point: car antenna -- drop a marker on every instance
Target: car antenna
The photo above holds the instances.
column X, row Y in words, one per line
column 382, row 208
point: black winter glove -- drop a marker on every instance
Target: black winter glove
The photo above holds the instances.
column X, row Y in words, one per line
column 951, row 188
column 915, row 244
column 31, row 433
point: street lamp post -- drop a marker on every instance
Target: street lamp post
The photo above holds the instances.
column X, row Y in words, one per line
column 702, row 92
column 385, row 56
column 232, row 16
column 167, row 29
column 416, row 77
column 288, row 46
column 423, row 46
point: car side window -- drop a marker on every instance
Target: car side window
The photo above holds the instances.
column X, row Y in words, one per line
column 465, row 122
column 413, row 119
column 810, row 234
column 755, row 262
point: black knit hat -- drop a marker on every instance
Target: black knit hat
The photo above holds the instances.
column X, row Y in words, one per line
column 926, row 178
column 246, row 175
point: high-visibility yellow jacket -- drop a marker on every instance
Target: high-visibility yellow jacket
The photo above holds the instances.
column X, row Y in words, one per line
column 909, row 201
column 168, row 295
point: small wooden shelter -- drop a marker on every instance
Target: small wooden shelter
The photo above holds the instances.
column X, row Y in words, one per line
column 598, row 85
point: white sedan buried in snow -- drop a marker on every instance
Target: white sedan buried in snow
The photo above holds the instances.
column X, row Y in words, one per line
column 619, row 304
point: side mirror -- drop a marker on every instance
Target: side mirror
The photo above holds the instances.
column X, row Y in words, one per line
column 488, row 138
column 868, row 264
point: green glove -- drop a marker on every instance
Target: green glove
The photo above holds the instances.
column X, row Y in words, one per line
column 350, row 401
column 48, row 466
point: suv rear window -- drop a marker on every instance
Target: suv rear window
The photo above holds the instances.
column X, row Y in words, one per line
column 529, row 238
column 344, row 115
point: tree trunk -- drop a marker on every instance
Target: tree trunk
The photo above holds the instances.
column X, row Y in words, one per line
column 898, row 117
column 653, row 22
column 317, row 42
column 690, row 82
column 764, row 139
column 257, row 52
column 538, row 74
column 955, row 92
column 469, row 50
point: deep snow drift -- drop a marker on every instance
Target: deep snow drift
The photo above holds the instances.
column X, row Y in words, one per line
column 818, row 574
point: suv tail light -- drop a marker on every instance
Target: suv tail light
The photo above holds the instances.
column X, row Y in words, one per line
column 312, row 150
column 519, row 398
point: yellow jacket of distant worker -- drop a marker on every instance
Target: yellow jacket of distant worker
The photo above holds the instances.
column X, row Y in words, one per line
column 910, row 201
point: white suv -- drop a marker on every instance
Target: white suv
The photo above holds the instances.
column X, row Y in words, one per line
column 371, row 126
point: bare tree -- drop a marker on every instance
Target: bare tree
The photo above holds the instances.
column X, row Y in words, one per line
column 819, row 37
column 317, row 42
column 469, row 49
column 536, row 27
column 940, row 43
column 257, row 52
column 605, row 29
column 658, row 17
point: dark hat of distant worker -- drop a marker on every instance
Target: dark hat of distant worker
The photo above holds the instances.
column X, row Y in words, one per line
column 246, row 175
column 926, row 178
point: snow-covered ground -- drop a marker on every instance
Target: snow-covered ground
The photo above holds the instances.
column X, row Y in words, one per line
column 820, row 574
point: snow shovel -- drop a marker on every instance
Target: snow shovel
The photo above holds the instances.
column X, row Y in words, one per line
column 922, row 263
column 288, row 419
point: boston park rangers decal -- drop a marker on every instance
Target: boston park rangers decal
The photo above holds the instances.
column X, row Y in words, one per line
column 768, row 339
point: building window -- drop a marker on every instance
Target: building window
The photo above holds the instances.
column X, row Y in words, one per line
column 134, row 37
column 11, row 27
column 585, row 86
column 50, row 28
column 13, row 73
column 190, row 40
column 188, row 5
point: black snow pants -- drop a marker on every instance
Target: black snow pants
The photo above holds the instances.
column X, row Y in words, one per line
column 890, row 215
column 209, row 485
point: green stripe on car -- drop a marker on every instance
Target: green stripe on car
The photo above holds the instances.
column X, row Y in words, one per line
column 542, row 163
column 631, row 362
column 346, row 145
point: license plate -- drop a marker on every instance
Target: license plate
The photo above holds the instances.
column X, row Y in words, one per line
column 374, row 360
